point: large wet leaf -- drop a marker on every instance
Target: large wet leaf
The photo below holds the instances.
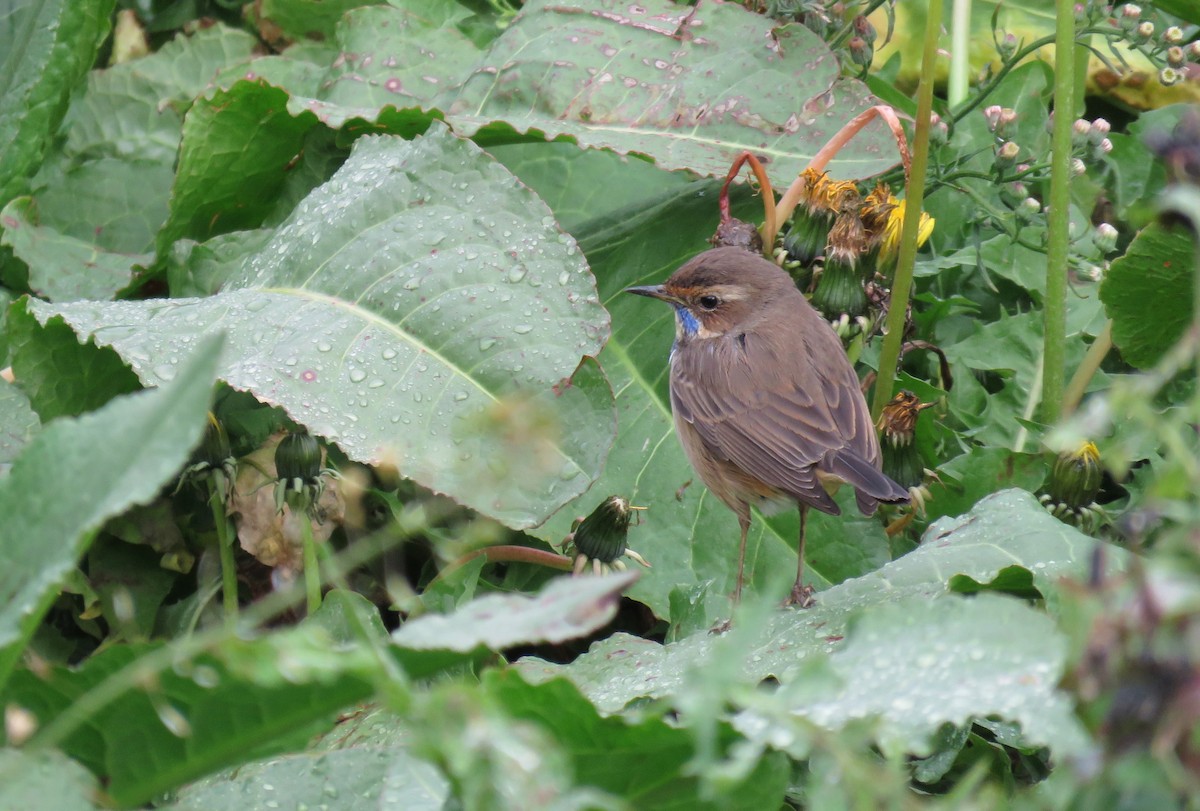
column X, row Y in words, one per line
column 1009, row 529
column 45, row 779
column 690, row 86
column 420, row 308
column 77, row 473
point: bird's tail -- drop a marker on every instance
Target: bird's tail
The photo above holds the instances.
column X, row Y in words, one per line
column 870, row 485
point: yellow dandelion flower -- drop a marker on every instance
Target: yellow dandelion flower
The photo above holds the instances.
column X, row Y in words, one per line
column 890, row 249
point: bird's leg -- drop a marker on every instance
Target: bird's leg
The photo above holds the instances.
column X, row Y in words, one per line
column 801, row 595
column 744, row 521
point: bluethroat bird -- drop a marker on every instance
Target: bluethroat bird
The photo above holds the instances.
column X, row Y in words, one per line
column 766, row 404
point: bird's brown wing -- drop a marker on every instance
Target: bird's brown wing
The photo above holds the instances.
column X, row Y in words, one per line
column 783, row 426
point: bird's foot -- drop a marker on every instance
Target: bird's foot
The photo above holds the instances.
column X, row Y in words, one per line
column 801, row 597
column 721, row 627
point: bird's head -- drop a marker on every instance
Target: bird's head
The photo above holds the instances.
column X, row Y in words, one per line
column 721, row 291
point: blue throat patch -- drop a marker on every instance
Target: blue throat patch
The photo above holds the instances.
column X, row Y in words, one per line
column 688, row 321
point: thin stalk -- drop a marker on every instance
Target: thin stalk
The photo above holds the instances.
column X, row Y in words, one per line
column 960, row 51
column 914, row 198
column 1058, row 218
column 229, row 583
column 1087, row 370
column 312, row 568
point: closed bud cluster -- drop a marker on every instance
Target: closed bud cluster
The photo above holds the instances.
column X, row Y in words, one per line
column 1131, row 12
column 939, row 132
column 599, row 539
column 1080, row 131
column 1075, row 481
column 999, row 119
column 1098, row 130
column 1105, row 238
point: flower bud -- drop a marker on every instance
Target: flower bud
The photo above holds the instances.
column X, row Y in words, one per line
column 1173, row 35
column 1028, row 208
column 992, row 114
column 1099, row 129
column 1102, row 149
column 298, row 456
column 1105, row 238
column 1014, row 193
column 939, row 131
column 1175, row 57
column 1193, row 50
column 1078, row 167
column 1145, row 30
column 1006, row 155
column 1169, row 76
column 1081, row 13
column 861, row 51
column 1007, row 47
column 1129, row 11
column 1076, row 477
column 864, row 29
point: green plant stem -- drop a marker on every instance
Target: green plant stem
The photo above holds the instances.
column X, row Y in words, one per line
column 960, row 51
column 914, row 198
column 1087, row 370
column 229, row 582
column 312, row 568
column 1058, row 218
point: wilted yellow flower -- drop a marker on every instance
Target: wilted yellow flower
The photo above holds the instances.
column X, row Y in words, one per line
column 890, row 249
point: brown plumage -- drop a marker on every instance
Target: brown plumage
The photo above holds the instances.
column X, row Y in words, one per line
column 766, row 403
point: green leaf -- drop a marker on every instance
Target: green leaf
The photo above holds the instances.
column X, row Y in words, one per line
column 18, row 422
column 78, row 472
column 979, row 472
column 134, row 110
column 567, row 608
column 916, row 664
column 342, row 780
column 45, row 779
column 640, row 79
column 61, row 376
column 1004, row 530
column 314, row 19
column 405, row 56
column 178, row 717
column 131, row 586
column 1148, row 293
column 61, row 267
column 236, row 152
column 513, row 745
column 420, row 308
column 47, row 47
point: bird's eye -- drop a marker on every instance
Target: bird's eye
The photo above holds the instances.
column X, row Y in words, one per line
column 709, row 302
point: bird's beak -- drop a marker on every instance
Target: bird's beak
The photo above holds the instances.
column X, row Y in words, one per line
column 652, row 291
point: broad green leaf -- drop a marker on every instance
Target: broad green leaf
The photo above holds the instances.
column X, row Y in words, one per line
column 61, row 267
column 117, row 204
column 404, row 56
column 917, row 664
column 643, row 78
column 513, row 745
column 60, row 375
column 585, row 184
column 1004, row 530
column 179, row 717
column 135, row 110
column 46, row 47
column 45, row 779
column 237, row 148
column 689, row 537
column 131, row 586
column 18, row 422
column 567, row 608
column 313, row 19
column 1147, row 293
column 979, row 472
column 78, row 472
column 348, row 779
column 202, row 269
column 420, row 308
